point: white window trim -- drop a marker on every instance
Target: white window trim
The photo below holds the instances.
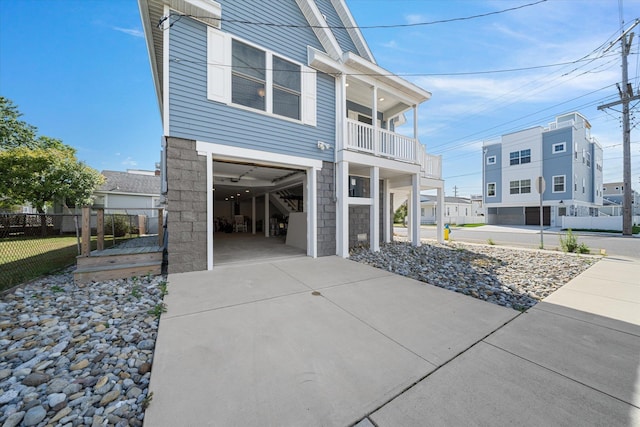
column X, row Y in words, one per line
column 564, row 183
column 491, row 160
column 495, row 189
column 219, row 74
column 564, row 148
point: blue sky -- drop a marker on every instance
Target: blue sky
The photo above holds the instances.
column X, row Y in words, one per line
column 79, row 71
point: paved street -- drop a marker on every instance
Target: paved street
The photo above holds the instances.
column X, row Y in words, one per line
column 529, row 236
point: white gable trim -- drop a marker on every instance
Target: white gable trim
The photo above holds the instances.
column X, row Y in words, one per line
column 347, row 19
column 314, row 17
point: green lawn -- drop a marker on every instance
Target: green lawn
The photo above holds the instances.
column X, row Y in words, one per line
column 23, row 259
column 635, row 230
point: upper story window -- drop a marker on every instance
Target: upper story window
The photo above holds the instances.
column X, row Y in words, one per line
column 575, row 151
column 491, row 189
column 259, row 79
column 249, row 76
column 522, row 186
column 491, row 160
column 558, row 184
column 250, row 83
column 286, row 88
column 520, row 157
column 560, row 147
column 588, row 160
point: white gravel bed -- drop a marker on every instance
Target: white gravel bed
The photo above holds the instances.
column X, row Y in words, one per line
column 514, row 278
column 78, row 355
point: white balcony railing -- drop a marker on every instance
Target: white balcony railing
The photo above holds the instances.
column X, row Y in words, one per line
column 363, row 137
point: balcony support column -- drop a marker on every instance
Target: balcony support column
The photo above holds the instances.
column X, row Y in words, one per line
column 440, row 214
column 414, row 214
column 374, row 209
column 374, row 121
column 342, row 209
column 386, row 211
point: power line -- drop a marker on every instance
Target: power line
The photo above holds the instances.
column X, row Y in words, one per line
column 469, row 73
column 345, row 27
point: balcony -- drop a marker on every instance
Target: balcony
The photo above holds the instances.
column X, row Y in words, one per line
column 383, row 143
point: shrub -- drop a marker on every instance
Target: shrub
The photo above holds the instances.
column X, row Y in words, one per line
column 117, row 224
column 570, row 244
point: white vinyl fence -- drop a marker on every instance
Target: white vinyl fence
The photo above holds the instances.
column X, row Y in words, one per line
column 594, row 222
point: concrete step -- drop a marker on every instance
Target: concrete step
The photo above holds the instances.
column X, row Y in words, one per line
column 88, row 274
column 116, row 259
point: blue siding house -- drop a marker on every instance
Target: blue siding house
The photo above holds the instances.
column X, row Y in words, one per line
column 263, row 103
column 564, row 154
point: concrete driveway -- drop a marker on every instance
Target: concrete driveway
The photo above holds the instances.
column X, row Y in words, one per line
column 330, row 342
column 256, row 345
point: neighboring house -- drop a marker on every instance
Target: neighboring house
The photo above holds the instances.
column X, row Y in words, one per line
column 613, row 194
column 132, row 192
column 296, row 110
column 476, row 205
column 564, row 154
column 457, row 210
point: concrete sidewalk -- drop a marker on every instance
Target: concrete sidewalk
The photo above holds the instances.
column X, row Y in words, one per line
column 328, row 342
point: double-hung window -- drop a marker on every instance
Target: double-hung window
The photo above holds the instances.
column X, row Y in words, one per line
column 522, row 186
column 259, row 79
column 520, row 157
column 491, row 189
column 286, row 88
column 248, row 76
column 250, row 83
column 558, row 184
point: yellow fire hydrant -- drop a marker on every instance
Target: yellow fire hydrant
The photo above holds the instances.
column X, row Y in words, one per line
column 447, row 230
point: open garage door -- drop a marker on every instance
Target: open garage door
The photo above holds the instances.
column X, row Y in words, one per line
column 532, row 215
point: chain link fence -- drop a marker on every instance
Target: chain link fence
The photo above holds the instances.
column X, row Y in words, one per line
column 32, row 245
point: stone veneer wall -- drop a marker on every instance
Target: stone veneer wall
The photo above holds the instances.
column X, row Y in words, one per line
column 186, row 206
column 326, row 215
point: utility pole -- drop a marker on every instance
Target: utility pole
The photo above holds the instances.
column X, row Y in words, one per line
column 455, row 191
column 626, row 95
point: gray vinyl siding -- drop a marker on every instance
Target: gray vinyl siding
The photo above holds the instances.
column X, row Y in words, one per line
column 341, row 34
column 193, row 116
column 493, row 173
column 288, row 41
column 559, row 163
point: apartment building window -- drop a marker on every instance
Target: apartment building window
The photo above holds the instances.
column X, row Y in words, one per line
column 588, row 160
column 520, row 157
column 491, row 189
column 559, row 184
column 560, row 147
column 522, row 186
column 491, row 160
column 575, row 151
column 584, row 184
column 584, row 156
column 575, row 182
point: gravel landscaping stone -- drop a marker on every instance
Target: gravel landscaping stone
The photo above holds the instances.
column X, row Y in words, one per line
column 514, row 278
column 77, row 354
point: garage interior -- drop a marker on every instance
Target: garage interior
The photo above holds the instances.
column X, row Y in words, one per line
column 244, row 229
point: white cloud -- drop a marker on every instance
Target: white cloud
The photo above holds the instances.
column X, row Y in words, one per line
column 390, row 44
column 129, row 162
column 130, row 31
column 415, row 18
